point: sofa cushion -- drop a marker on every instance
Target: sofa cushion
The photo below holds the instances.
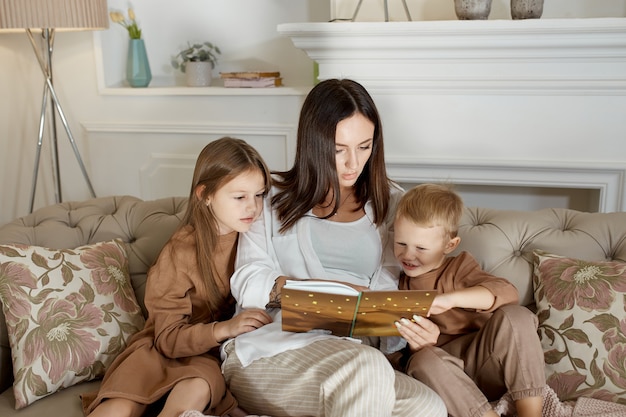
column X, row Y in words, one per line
column 582, row 326
column 68, row 313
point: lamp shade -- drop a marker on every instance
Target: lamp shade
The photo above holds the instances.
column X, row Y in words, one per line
column 54, row 14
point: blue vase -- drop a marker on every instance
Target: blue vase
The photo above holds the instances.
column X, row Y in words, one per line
column 137, row 66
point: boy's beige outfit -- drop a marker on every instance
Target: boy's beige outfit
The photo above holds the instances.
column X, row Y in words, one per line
column 480, row 355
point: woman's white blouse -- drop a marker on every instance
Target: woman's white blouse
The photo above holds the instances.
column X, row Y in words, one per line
column 264, row 254
column 348, row 251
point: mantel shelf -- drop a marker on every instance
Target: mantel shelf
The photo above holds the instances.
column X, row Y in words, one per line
column 563, row 56
column 423, row 32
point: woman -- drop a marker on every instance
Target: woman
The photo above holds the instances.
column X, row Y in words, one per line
column 176, row 357
column 329, row 218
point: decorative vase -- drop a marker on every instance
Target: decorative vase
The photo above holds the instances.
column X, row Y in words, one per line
column 472, row 9
column 526, row 9
column 198, row 73
column 137, row 66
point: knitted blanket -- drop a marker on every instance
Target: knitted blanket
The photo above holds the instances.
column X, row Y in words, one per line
column 553, row 407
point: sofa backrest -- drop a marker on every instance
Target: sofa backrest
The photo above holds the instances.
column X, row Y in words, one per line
column 144, row 225
column 503, row 241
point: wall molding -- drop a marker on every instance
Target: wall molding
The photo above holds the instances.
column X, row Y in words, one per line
column 286, row 132
column 172, row 127
column 159, row 158
column 609, row 181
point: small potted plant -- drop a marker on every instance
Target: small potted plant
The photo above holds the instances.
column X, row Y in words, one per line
column 197, row 61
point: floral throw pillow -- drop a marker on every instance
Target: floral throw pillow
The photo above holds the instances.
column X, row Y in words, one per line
column 68, row 312
column 582, row 326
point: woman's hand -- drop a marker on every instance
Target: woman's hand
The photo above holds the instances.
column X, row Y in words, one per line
column 244, row 322
column 418, row 334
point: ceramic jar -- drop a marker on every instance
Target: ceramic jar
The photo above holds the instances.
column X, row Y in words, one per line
column 472, row 9
column 198, row 73
column 526, row 9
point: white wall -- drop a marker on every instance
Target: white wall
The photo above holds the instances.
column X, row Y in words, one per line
column 144, row 142
column 535, row 103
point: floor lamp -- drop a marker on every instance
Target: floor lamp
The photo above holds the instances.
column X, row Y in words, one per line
column 45, row 17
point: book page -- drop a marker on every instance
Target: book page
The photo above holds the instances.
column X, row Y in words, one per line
column 330, row 287
column 341, row 310
column 378, row 310
column 306, row 310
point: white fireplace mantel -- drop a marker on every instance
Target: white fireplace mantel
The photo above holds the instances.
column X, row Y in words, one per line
column 535, row 102
column 558, row 56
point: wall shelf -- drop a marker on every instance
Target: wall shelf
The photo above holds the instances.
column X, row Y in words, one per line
column 166, row 30
column 156, row 90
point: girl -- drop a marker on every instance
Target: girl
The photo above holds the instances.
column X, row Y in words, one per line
column 176, row 355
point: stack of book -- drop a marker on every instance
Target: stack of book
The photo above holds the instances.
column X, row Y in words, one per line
column 251, row 79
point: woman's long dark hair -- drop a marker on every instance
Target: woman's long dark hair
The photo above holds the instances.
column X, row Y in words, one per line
column 218, row 163
column 314, row 173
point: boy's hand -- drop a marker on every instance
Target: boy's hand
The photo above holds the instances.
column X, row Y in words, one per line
column 475, row 298
column 418, row 334
column 441, row 303
column 244, row 322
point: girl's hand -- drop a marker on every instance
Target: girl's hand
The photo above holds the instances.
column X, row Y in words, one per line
column 418, row 334
column 244, row 322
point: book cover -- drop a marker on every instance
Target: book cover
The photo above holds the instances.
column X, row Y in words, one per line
column 341, row 310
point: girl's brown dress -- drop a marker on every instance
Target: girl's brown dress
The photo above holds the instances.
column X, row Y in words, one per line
column 177, row 341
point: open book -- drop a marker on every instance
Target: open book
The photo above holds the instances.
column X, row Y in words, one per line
column 344, row 311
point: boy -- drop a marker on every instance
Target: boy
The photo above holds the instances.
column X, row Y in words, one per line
column 478, row 342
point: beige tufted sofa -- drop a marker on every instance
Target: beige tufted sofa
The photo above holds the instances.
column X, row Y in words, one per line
column 501, row 240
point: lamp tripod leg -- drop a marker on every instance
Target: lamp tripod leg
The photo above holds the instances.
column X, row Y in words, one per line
column 59, row 109
column 56, row 168
column 42, row 122
column 46, row 68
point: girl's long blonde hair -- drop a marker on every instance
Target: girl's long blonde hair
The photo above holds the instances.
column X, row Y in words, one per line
column 218, row 163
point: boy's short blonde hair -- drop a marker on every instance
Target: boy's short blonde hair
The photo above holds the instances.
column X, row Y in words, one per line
column 432, row 205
